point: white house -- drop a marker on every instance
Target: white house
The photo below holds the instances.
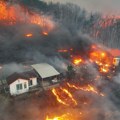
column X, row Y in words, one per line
column 42, row 74
column 21, row 82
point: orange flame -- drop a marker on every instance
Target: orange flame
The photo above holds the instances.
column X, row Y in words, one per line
column 62, row 117
column 7, row 13
column 88, row 88
column 103, row 23
column 108, row 20
column 10, row 14
column 54, row 91
column 70, row 95
column 102, row 59
column 62, row 50
column 64, row 97
column 45, row 33
column 29, row 35
column 77, row 61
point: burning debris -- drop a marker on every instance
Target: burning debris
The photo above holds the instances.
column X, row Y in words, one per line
column 64, row 97
column 108, row 20
column 62, row 117
column 77, row 61
column 45, row 33
column 28, row 35
column 95, row 55
column 88, row 88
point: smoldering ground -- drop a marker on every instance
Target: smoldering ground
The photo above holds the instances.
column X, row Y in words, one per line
column 36, row 106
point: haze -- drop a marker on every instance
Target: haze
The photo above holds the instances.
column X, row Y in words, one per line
column 104, row 6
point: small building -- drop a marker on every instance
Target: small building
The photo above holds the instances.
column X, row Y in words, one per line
column 48, row 75
column 21, row 82
column 116, row 54
column 116, row 60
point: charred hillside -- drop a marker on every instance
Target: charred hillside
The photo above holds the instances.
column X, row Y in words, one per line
column 29, row 28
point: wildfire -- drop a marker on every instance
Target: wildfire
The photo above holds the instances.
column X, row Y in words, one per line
column 7, row 13
column 77, row 61
column 29, row 35
column 64, row 97
column 62, row 117
column 10, row 15
column 45, row 33
column 103, row 23
column 63, row 50
column 88, row 88
column 43, row 21
column 102, row 59
column 54, row 91
column 108, row 20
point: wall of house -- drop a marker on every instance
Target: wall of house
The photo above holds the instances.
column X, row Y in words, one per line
column 34, row 81
column 116, row 61
column 13, row 88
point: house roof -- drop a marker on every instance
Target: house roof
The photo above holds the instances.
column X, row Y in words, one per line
column 25, row 75
column 45, row 70
column 115, row 52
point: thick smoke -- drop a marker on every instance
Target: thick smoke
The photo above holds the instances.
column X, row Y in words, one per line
column 17, row 49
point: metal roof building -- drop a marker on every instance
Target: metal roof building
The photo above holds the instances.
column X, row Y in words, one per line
column 45, row 70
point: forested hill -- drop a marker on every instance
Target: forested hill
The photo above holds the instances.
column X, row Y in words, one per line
column 103, row 29
column 57, row 26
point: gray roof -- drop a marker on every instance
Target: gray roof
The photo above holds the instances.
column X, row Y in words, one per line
column 45, row 70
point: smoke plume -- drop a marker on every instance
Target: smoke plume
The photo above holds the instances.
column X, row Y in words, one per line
column 48, row 36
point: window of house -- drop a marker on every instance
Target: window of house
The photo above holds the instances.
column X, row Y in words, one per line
column 19, row 86
column 30, row 83
column 25, row 85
